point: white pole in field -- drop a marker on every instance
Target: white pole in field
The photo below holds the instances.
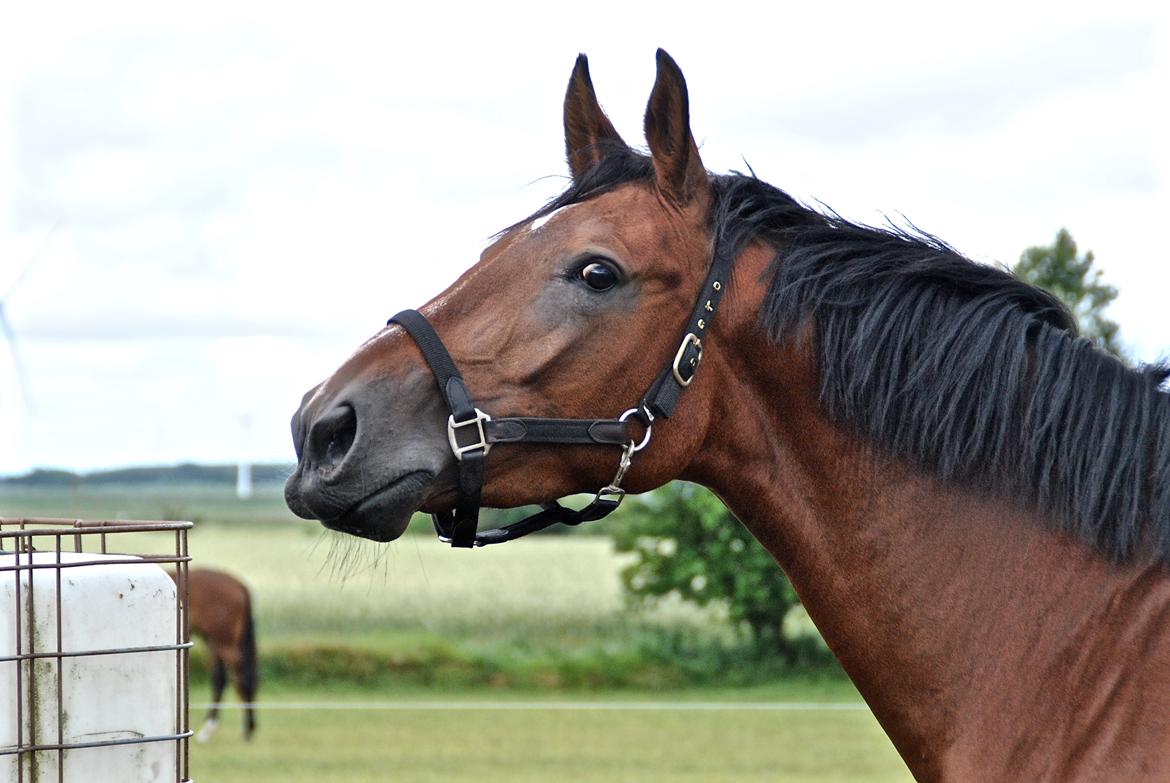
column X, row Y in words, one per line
column 244, row 468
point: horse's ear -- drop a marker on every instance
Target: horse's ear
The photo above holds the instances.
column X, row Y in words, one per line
column 677, row 167
column 589, row 135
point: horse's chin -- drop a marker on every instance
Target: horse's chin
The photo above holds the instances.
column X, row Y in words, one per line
column 385, row 514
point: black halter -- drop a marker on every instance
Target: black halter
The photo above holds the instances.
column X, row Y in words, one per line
column 472, row 433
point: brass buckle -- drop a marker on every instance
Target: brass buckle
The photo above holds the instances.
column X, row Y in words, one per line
column 452, row 425
column 689, row 340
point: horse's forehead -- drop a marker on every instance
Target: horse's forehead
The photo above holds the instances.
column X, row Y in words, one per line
column 540, row 222
column 628, row 222
column 626, row 217
column 617, row 207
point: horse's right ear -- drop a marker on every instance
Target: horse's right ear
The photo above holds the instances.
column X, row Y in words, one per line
column 589, row 135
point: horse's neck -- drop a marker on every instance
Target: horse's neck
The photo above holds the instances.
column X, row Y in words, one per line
column 988, row 646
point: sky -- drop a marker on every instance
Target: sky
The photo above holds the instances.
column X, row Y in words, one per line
column 222, row 202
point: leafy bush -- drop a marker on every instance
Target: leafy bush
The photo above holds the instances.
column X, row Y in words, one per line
column 687, row 543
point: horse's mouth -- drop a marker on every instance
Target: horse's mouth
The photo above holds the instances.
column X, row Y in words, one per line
column 384, row 514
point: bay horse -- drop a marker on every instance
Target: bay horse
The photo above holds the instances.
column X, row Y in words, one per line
column 219, row 611
column 972, row 502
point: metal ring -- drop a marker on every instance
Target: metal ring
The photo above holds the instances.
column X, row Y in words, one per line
column 646, row 439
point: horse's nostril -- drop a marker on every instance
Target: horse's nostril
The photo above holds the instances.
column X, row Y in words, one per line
column 339, row 446
column 332, row 436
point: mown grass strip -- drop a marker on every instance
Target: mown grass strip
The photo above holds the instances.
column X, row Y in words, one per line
column 559, row 706
column 584, row 746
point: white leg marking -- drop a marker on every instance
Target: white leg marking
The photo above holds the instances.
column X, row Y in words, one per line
column 206, row 730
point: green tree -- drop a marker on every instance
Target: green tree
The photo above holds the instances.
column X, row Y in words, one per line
column 685, row 541
column 1059, row 269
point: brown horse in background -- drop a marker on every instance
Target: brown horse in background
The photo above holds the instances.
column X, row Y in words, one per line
column 219, row 610
column 972, row 502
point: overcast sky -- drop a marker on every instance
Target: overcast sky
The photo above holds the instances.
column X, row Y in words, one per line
column 242, row 193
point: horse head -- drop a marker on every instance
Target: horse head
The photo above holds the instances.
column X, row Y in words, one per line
column 568, row 314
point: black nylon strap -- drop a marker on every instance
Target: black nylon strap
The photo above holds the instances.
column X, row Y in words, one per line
column 533, row 430
column 447, row 376
column 552, row 513
column 463, row 523
column 664, row 393
column 467, row 507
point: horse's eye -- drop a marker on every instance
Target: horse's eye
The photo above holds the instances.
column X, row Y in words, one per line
column 599, row 276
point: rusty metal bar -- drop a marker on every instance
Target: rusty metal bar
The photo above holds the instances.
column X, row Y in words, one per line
column 86, row 524
column 49, row 526
column 87, row 653
column 32, row 678
column 139, row 560
column 96, row 744
column 60, row 664
column 182, row 657
column 19, row 671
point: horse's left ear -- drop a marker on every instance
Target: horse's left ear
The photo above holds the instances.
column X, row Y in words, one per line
column 677, row 167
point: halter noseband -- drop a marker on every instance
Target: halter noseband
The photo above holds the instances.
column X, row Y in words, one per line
column 472, row 433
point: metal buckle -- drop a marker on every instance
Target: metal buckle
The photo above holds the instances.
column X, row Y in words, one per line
column 614, row 487
column 613, row 491
column 452, row 425
column 612, row 494
column 689, row 340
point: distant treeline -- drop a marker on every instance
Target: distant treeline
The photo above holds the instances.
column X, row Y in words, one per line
column 263, row 473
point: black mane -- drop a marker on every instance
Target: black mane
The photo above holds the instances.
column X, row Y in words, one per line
column 959, row 368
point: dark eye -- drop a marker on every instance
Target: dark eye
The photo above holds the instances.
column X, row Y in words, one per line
column 599, row 276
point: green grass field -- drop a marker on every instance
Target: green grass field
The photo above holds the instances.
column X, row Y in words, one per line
column 538, row 619
column 486, row 745
column 560, row 591
column 309, row 581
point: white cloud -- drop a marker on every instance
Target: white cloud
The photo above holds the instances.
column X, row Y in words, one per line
column 248, row 192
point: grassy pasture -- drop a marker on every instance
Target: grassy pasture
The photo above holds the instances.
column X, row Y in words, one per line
column 485, row 745
column 322, row 596
column 542, row 612
column 310, row 583
column 547, row 611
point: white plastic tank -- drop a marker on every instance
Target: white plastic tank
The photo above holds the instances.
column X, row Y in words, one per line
column 108, row 602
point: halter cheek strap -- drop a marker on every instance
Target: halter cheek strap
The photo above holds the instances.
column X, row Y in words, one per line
column 471, row 433
column 464, row 415
column 664, row 393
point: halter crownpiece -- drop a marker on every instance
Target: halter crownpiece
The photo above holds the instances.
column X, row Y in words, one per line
column 471, row 433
